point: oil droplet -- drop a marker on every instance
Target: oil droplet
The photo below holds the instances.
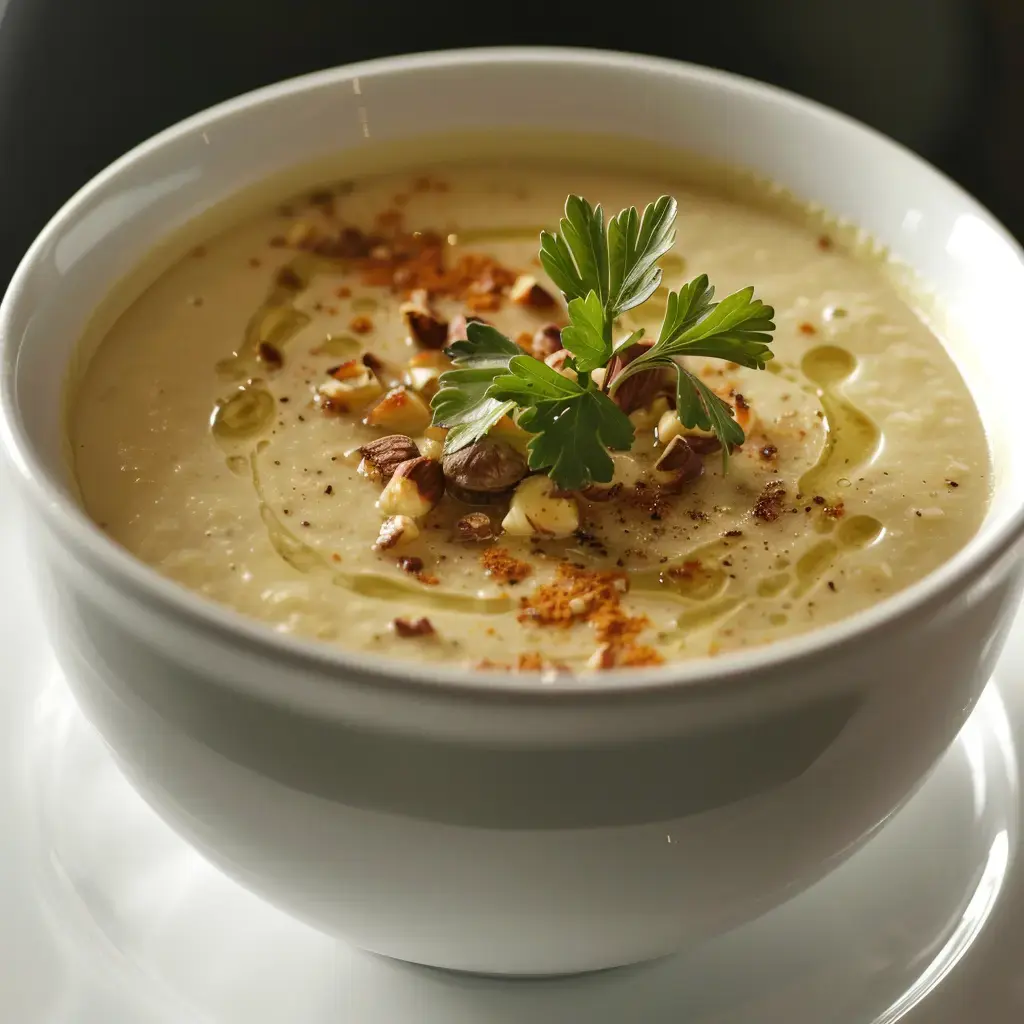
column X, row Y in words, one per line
column 813, row 564
column 699, row 618
column 247, row 413
column 276, row 325
column 772, row 586
column 828, row 365
column 851, row 437
column 778, row 618
column 695, row 576
column 844, row 481
column 339, row 345
column 238, row 464
column 365, row 304
column 859, row 532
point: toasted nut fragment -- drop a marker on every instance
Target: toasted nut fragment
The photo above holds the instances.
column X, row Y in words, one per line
column 526, row 292
column 458, row 324
column 647, row 418
column 424, row 370
column 414, row 489
column 475, row 526
column 384, row 455
column 425, row 327
column 507, row 430
column 557, row 362
column 269, row 354
column 400, row 410
column 703, row 442
column 546, row 341
column 536, row 511
column 637, row 392
column 626, row 474
column 483, row 472
column 603, row 658
column 350, row 387
column 430, row 447
column 678, row 465
column 396, row 530
column 407, row 629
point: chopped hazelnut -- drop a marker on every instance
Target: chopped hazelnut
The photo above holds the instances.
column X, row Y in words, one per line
column 647, row 418
column 537, row 510
column 396, row 530
column 425, row 368
column 430, row 447
column 400, row 410
column 270, row 354
column 425, row 327
column 678, row 465
column 483, row 472
column 350, row 386
column 639, row 391
column 557, row 362
column 406, row 629
column 384, row 455
column 413, row 490
column 546, row 341
column 475, row 526
column 527, row 292
column 458, row 324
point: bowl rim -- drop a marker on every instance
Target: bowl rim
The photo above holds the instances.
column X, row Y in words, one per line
column 335, row 664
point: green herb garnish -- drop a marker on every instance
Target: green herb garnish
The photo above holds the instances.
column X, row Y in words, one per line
column 602, row 274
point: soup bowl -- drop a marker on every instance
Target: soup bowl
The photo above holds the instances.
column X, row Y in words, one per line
column 494, row 822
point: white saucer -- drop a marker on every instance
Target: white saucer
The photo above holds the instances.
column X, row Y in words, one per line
column 107, row 918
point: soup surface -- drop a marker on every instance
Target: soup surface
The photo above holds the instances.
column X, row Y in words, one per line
column 215, row 433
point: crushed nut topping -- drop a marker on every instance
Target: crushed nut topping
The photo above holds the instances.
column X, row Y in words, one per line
column 406, row 629
column 475, row 526
column 581, row 595
column 527, row 292
column 768, row 506
column 422, row 323
column 396, row 530
column 501, row 566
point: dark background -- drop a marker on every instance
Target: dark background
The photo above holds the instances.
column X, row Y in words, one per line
column 83, row 80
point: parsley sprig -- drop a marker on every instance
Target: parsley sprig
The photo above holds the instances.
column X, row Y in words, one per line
column 602, row 273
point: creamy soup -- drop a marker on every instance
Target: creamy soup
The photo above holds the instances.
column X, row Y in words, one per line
column 217, row 432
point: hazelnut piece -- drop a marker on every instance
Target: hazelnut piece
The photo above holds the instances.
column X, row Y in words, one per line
column 484, row 472
column 414, row 489
column 539, row 510
column 406, row 628
column 546, row 340
column 384, row 455
column 425, row 327
column 678, row 465
column 526, row 292
column 639, row 391
column 475, row 526
column 400, row 410
column 396, row 530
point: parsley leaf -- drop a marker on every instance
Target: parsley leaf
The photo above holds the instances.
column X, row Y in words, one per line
column 577, row 258
column 585, row 336
column 737, row 329
column 574, row 426
column 635, row 245
column 462, row 403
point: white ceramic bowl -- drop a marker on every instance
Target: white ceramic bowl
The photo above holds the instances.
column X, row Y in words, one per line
column 494, row 824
